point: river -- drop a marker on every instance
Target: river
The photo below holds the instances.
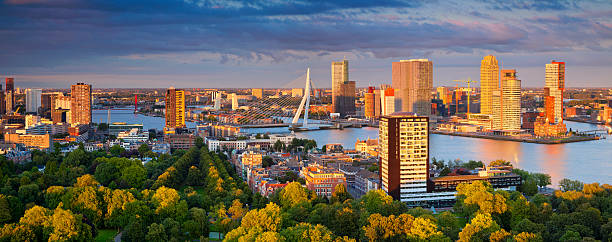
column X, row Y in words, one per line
column 589, row 161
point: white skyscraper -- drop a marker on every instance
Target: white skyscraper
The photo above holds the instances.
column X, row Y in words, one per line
column 33, row 98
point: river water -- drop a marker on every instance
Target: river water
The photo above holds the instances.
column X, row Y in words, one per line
column 589, row 161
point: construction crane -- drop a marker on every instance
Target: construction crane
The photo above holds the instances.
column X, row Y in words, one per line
column 468, row 81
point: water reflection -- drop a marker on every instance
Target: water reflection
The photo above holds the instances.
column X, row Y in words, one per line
column 553, row 162
column 586, row 161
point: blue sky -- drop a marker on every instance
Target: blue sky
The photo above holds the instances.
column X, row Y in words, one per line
column 212, row 43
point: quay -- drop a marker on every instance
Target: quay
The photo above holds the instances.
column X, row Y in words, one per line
column 570, row 139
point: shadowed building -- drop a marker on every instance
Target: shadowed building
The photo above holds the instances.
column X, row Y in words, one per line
column 343, row 90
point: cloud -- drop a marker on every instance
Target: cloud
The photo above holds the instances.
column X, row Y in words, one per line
column 82, row 36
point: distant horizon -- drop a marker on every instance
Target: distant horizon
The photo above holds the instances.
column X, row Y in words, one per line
column 186, row 43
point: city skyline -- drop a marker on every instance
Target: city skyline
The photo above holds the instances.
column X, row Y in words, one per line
column 199, row 43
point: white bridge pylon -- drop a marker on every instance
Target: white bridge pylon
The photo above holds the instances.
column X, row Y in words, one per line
column 305, row 104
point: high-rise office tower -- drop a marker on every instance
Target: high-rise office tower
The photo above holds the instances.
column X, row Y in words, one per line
column 343, row 90
column 9, row 96
column 442, row 94
column 257, row 92
column 555, row 83
column 10, row 84
column 511, row 100
column 413, row 82
column 80, row 104
column 175, row 108
column 2, row 101
column 33, row 100
column 404, row 155
column 388, row 102
column 377, row 103
column 489, row 82
column 234, row 101
column 369, row 103
column 496, row 110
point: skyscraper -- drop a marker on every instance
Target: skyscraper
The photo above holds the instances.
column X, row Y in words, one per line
column 489, row 82
column 175, row 108
column 404, row 155
column 80, row 104
column 369, row 103
column 387, row 102
column 377, row 103
column 555, row 83
column 496, row 110
column 511, row 100
column 33, row 100
column 343, row 90
column 413, row 82
column 10, row 84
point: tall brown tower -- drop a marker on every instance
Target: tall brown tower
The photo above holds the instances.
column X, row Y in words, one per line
column 80, row 104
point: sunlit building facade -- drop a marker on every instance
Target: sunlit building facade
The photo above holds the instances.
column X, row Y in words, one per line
column 404, row 155
column 413, row 82
column 80, row 104
column 489, row 83
column 175, row 108
column 554, row 87
column 511, row 100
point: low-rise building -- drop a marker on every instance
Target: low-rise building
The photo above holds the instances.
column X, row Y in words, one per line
column 364, row 179
column 30, row 140
column 322, row 180
column 180, row 141
column 160, row 148
column 134, row 135
column 368, row 146
column 118, row 127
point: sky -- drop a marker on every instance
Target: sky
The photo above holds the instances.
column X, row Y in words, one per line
column 241, row 44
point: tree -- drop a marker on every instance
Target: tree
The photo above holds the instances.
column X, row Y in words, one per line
column 106, row 172
column 570, row 185
column 529, row 187
column 307, row 232
column 293, row 194
column 5, row 211
column 86, row 180
column 116, row 150
column 449, row 225
column 135, row 231
column 340, row 194
column 279, row 146
column 268, row 218
column 143, row 149
column 571, row 235
column 500, row 163
column 267, row 161
column 68, row 226
column 157, row 233
column 134, row 176
column 479, row 228
column 542, row 179
column 28, row 193
column 481, row 194
column 165, row 197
